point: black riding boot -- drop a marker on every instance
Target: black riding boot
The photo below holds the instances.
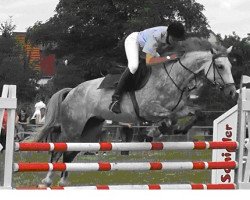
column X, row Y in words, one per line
column 122, row 85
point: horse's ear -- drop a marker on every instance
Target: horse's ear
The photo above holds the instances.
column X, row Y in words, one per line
column 213, row 51
column 229, row 49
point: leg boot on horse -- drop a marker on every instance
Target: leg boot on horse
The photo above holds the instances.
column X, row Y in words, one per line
column 122, row 85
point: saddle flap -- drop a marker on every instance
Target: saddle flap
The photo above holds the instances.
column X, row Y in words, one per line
column 110, row 81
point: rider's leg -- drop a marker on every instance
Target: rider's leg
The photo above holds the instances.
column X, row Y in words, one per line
column 132, row 52
column 116, row 97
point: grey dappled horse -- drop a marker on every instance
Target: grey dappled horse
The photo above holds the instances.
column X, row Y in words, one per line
column 77, row 115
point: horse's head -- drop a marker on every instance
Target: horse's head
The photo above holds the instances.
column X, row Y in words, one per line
column 218, row 72
column 201, row 56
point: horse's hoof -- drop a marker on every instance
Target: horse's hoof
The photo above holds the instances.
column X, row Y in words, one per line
column 47, row 182
column 63, row 183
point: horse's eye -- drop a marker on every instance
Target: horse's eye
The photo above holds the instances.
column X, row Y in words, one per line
column 220, row 67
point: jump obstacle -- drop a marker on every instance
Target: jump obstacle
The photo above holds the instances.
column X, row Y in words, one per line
column 230, row 164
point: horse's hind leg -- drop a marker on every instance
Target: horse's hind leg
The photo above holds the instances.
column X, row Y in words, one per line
column 68, row 157
column 91, row 133
column 55, row 156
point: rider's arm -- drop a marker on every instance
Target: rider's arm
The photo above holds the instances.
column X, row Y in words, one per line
column 152, row 57
column 152, row 60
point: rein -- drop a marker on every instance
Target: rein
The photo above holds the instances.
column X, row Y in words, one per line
column 195, row 75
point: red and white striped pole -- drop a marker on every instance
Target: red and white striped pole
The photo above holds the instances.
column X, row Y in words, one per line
column 142, row 187
column 107, row 166
column 134, row 146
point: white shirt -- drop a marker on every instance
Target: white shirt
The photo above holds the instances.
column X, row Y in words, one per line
column 150, row 39
column 36, row 113
column 40, row 105
column 38, row 117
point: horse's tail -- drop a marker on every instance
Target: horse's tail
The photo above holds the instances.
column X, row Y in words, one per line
column 52, row 127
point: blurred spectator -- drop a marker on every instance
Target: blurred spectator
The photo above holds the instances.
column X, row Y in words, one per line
column 36, row 119
column 39, row 114
column 23, row 120
column 3, row 131
column 40, row 104
column 40, row 118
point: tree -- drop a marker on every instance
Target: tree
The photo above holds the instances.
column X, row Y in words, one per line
column 14, row 67
column 240, row 55
column 7, row 28
column 91, row 33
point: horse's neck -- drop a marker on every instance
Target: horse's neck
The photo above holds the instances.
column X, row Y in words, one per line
column 192, row 60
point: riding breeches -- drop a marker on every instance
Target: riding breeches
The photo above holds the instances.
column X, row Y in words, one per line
column 132, row 51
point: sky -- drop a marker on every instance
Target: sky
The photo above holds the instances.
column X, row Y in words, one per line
column 224, row 16
column 26, row 12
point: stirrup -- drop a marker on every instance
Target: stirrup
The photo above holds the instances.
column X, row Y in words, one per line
column 115, row 107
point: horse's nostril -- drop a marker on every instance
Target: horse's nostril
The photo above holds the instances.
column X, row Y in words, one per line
column 233, row 95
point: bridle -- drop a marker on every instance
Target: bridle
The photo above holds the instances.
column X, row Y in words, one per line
column 215, row 68
column 202, row 75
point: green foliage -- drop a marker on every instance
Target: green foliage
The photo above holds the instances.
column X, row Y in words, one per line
column 65, row 74
column 91, row 33
column 240, row 56
column 241, row 46
column 14, row 67
column 7, row 28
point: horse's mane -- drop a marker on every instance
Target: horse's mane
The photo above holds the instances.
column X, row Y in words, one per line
column 200, row 44
column 197, row 44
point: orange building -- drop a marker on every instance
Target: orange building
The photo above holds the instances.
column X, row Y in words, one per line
column 44, row 63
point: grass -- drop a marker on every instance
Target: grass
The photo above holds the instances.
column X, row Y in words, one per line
column 120, row 177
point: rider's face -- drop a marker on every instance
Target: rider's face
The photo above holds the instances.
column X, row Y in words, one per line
column 173, row 40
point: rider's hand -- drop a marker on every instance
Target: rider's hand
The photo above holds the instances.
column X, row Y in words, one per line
column 174, row 56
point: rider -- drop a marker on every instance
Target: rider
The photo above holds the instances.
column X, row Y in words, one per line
column 150, row 40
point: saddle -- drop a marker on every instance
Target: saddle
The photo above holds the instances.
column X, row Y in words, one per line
column 140, row 79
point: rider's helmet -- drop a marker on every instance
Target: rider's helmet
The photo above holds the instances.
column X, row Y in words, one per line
column 177, row 30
